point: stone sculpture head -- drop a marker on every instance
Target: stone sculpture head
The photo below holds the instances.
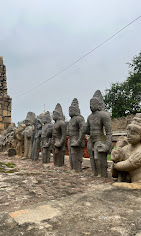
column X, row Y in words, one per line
column 97, row 103
column 46, row 119
column 74, row 108
column 58, row 113
column 134, row 130
column 30, row 118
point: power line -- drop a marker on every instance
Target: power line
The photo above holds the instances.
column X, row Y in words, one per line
column 85, row 55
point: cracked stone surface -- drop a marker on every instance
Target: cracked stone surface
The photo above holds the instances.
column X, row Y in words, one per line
column 40, row 199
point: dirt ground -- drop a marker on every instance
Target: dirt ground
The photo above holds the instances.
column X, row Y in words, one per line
column 60, row 202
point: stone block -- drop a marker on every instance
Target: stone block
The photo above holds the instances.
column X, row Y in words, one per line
column 4, row 112
column 7, row 119
column 1, row 126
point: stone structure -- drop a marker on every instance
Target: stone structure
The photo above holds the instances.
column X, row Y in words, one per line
column 46, row 137
column 99, row 128
column 120, row 124
column 128, row 158
column 76, row 136
column 28, row 134
column 36, row 139
column 20, row 139
column 5, row 100
column 59, row 136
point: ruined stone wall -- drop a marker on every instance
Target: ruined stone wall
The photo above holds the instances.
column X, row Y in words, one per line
column 5, row 100
column 120, row 124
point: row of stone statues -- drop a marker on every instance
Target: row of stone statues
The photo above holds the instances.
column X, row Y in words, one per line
column 39, row 133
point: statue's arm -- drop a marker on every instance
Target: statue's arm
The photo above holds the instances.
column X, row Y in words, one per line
column 81, row 124
column 108, row 129
column 132, row 163
column 63, row 131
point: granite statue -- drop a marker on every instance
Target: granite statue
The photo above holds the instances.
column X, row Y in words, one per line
column 1, row 142
column 58, row 136
column 36, row 139
column 121, row 176
column 20, row 140
column 76, row 140
column 10, row 137
column 28, row 134
column 99, row 128
column 46, row 137
column 128, row 158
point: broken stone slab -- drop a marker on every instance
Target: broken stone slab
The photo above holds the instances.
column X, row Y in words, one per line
column 35, row 215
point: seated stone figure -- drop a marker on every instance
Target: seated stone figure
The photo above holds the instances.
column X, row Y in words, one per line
column 120, row 175
column 129, row 156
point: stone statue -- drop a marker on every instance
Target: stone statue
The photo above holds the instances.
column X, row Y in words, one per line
column 128, row 158
column 1, row 142
column 36, row 139
column 59, row 136
column 99, row 128
column 46, row 137
column 76, row 139
column 120, row 175
column 10, row 137
column 28, row 134
column 20, row 139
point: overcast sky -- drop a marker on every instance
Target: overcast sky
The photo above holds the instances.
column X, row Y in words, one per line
column 40, row 38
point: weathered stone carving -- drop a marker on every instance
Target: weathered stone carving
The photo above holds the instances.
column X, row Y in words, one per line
column 76, row 136
column 20, row 139
column 120, row 175
column 128, row 158
column 46, row 137
column 1, row 142
column 28, row 134
column 36, row 139
column 59, row 136
column 10, row 140
column 99, row 127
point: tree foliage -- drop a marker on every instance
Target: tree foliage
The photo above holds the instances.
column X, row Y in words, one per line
column 125, row 98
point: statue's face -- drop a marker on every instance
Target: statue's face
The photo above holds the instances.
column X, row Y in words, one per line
column 55, row 115
column 26, row 122
column 133, row 136
column 71, row 112
column 94, row 106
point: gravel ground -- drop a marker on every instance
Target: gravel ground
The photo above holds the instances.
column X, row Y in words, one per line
column 85, row 205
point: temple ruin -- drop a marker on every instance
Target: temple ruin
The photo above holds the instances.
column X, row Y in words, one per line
column 5, row 100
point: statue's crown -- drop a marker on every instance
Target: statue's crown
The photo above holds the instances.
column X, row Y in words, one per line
column 58, row 109
column 75, row 105
column 98, row 96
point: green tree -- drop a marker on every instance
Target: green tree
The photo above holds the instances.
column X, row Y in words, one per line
column 125, row 98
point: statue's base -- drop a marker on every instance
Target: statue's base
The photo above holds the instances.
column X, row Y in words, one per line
column 136, row 185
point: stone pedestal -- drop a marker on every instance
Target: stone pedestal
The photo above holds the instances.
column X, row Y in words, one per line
column 5, row 100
